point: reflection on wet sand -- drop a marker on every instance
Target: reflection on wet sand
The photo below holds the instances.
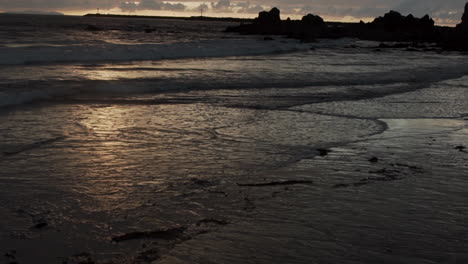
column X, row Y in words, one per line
column 235, row 181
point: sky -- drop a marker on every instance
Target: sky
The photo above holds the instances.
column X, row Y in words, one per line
column 444, row 12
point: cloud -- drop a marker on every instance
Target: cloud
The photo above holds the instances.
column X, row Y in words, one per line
column 221, row 5
column 151, row 5
column 129, row 6
column 246, row 7
column 227, row 6
column 57, row 4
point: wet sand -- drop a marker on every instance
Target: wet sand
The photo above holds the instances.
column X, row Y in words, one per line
column 395, row 197
column 379, row 180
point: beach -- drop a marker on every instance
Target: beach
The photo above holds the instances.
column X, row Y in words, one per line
column 239, row 150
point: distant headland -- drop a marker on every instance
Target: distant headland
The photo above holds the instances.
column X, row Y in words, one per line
column 393, row 26
column 33, row 12
column 200, row 18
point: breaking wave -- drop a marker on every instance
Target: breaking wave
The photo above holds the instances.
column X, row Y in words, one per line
column 145, row 52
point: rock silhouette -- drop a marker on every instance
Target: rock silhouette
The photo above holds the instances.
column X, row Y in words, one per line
column 393, row 21
column 393, row 26
column 271, row 18
column 464, row 23
column 269, row 22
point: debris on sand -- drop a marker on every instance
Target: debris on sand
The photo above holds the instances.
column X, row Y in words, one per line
column 374, row 160
column 341, row 185
column 32, row 146
column 169, row 234
column 82, row 258
column 275, row 183
column 92, row 28
column 411, row 167
column 386, row 172
column 212, row 221
column 41, row 225
column 10, row 256
column 218, row 192
column 460, row 148
column 249, row 206
column 323, row 152
column 198, row 181
column 366, row 181
column 148, row 256
column 397, row 172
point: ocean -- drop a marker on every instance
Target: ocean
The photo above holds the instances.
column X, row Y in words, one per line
column 169, row 141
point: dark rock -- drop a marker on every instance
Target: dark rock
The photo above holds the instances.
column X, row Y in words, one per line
column 323, row 152
column 200, row 181
column 460, row 148
column 40, row 225
column 269, row 22
column 340, row 185
column 92, row 28
column 271, row 18
column 312, row 20
column 268, row 38
column 10, row 254
column 393, row 26
column 395, row 21
column 465, row 15
column 464, row 24
column 374, row 160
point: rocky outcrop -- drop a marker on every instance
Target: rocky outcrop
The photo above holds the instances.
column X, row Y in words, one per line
column 465, row 15
column 266, row 23
column 393, row 26
column 395, row 21
column 271, row 18
column 312, row 20
column 458, row 40
column 464, row 24
column 269, row 22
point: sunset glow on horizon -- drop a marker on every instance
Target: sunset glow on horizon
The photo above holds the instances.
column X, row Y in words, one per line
column 445, row 14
